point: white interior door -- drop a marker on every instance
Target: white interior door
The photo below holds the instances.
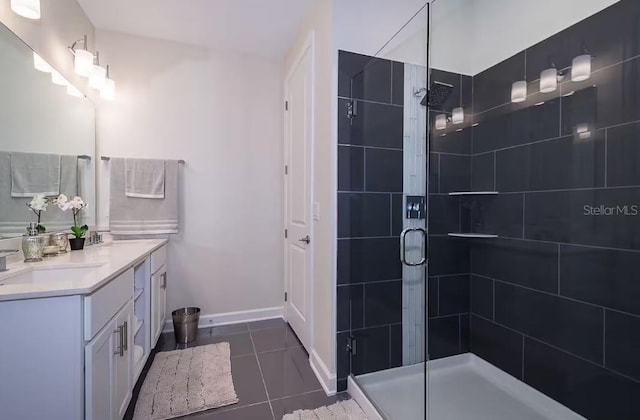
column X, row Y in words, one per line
column 298, row 150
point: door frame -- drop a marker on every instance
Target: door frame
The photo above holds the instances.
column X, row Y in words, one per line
column 308, row 46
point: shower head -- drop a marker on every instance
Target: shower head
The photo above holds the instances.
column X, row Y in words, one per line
column 437, row 95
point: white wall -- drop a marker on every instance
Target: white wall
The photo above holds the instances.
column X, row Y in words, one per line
column 325, row 179
column 503, row 28
column 467, row 36
column 365, row 26
column 222, row 114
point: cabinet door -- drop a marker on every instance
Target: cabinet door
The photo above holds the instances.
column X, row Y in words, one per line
column 99, row 373
column 158, row 303
column 123, row 362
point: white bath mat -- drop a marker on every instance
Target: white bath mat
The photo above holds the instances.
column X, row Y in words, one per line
column 187, row 381
column 343, row 410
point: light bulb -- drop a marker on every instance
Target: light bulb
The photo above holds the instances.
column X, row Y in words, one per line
column 519, row 92
column 57, row 78
column 40, row 64
column 457, row 115
column 583, row 131
column 72, row 91
column 581, row 68
column 441, row 122
column 97, row 77
column 26, row 8
column 108, row 91
column 83, row 63
column 548, row 80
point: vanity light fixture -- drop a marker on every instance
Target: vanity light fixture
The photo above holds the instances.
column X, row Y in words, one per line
column 83, row 61
column 40, row 64
column 441, row 122
column 549, row 80
column 57, row 78
column 519, row 91
column 457, row 115
column 98, row 74
column 29, row 9
column 108, row 91
column 581, row 68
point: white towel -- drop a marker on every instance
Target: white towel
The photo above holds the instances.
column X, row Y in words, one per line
column 137, row 216
column 34, row 173
column 144, row 178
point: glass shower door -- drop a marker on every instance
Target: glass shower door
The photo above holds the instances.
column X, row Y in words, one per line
column 382, row 177
column 534, row 231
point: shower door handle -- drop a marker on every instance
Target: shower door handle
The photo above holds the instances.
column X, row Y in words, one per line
column 403, row 248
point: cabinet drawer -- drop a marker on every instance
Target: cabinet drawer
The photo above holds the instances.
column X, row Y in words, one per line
column 158, row 259
column 102, row 305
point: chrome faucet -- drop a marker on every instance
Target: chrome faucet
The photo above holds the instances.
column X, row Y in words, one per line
column 4, row 253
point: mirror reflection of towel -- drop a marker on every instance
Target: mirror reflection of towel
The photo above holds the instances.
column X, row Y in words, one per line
column 35, row 173
column 14, row 213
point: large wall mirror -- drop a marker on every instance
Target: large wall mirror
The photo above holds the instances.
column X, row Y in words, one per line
column 47, row 141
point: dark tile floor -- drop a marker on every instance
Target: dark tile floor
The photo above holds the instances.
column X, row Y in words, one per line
column 270, row 368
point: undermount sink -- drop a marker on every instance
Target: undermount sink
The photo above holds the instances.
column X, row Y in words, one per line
column 38, row 275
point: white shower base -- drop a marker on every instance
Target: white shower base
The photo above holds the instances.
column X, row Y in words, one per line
column 463, row 387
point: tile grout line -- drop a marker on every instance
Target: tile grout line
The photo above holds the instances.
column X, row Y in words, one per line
column 559, row 253
column 604, row 337
column 366, row 146
column 264, row 384
column 554, row 295
column 368, row 101
column 555, row 347
column 522, row 366
column 547, row 139
column 493, row 287
column 364, row 169
column 606, row 157
column 540, row 241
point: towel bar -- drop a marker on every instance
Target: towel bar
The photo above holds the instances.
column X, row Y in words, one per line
column 107, row 158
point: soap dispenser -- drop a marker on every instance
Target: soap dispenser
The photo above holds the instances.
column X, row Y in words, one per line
column 32, row 244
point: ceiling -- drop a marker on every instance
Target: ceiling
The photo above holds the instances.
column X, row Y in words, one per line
column 258, row 27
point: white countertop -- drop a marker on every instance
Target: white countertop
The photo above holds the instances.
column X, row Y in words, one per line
column 106, row 261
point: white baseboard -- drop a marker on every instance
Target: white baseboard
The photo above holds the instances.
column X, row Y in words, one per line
column 327, row 380
column 214, row 320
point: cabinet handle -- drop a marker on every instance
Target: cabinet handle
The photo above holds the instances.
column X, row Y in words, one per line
column 126, row 335
column 164, row 280
column 120, row 347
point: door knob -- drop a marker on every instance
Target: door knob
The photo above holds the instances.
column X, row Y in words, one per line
column 306, row 240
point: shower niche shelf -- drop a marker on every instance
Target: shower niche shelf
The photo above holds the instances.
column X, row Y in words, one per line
column 459, row 193
column 473, row 235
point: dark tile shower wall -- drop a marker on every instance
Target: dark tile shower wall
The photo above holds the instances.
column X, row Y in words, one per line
column 555, row 301
column 449, row 171
column 370, row 214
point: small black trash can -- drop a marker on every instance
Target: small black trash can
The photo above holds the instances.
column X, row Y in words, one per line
column 185, row 324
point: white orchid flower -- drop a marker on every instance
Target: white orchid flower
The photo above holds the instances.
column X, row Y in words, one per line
column 39, row 203
column 77, row 203
column 62, row 202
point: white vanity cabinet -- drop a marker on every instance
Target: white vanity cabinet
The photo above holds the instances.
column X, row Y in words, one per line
column 108, row 369
column 68, row 350
column 158, row 292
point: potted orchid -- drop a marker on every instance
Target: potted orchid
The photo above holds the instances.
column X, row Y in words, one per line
column 76, row 205
column 37, row 205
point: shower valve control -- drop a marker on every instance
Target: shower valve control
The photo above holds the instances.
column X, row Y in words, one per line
column 415, row 208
